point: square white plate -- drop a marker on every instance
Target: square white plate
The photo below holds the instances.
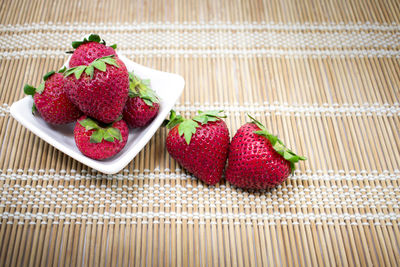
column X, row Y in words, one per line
column 168, row 86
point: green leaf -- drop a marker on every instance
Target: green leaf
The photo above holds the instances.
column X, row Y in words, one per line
column 260, row 133
column 141, row 88
column 287, row 155
column 114, row 46
column 78, row 71
column 173, row 120
column 47, row 75
column 69, row 71
column 279, row 148
column 277, row 144
column 109, row 134
column 151, row 95
column 34, row 109
column 146, row 82
column 133, row 93
column 76, row 44
column 212, row 115
column 187, row 128
column 258, row 123
column 292, row 166
column 62, row 70
column 108, row 137
column 203, row 119
column 273, row 139
column 100, row 65
column 131, row 76
column 114, row 132
column 109, row 60
column 97, row 136
column 40, row 88
column 94, row 38
column 29, row 89
column 89, row 71
column 294, row 158
column 148, row 102
column 89, row 124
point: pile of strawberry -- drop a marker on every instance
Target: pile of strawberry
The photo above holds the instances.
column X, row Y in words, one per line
column 104, row 99
column 99, row 93
column 256, row 158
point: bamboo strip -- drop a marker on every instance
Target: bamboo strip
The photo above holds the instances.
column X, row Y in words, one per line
column 361, row 211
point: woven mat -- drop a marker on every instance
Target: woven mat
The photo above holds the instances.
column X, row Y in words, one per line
column 323, row 75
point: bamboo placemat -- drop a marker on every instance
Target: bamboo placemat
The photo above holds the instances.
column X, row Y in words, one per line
column 324, row 75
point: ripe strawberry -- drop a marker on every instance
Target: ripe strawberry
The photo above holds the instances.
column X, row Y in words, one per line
column 200, row 144
column 51, row 101
column 88, row 50
column 100, row 89
column 100, row 142
column 142, row 105
column 258, row 159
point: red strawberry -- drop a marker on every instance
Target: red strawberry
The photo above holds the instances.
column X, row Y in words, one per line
column 142, row 105
column 200, row 144
column 100, row 89
column 258, row 159
column 100, row 142
column 88, row 50
column 51, row 101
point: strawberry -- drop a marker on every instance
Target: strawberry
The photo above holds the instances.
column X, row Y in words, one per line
column 199, row 144
column 98, row 142
column 88, row 50
column 258, row 159
column 51, row 101
column 100, row 89
column 142, row 105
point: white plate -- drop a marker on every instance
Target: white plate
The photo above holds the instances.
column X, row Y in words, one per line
column 168, row 86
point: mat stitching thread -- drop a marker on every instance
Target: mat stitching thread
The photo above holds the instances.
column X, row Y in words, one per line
column 216, row 25
column 325, row 109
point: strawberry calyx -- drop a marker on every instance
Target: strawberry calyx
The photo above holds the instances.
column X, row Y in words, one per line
column 30, row 90
column 187, row 127
column 62, row 70
column 277, row 144
column 92, row 38
column 173, row 120
column 107, row 133
column 99, row 64
column 141, row 88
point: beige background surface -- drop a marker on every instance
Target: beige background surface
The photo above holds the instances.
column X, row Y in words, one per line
column 323, row 75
